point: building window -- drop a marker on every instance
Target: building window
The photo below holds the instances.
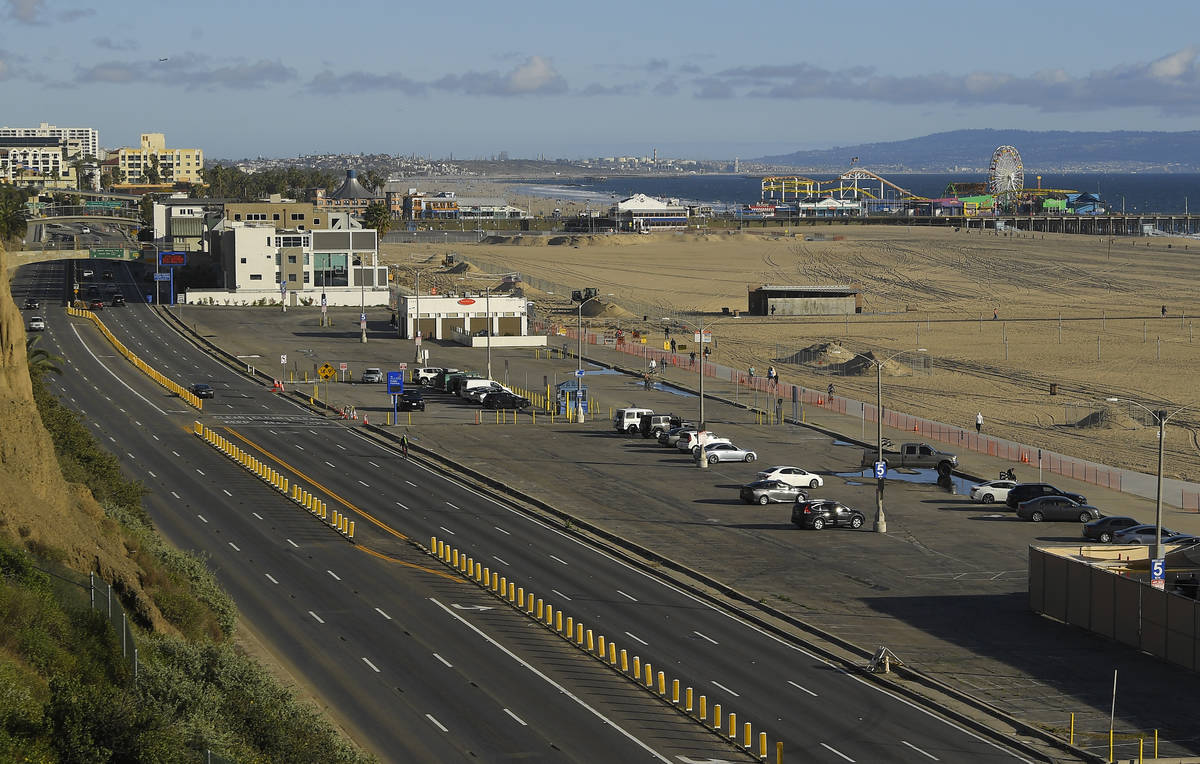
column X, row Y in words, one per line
column 275, row 216
column 316, row 221
column 292, row 259
column 243, row 261
column 256, row 277
column 237, row 216
column 291, row 277
column 306, row 277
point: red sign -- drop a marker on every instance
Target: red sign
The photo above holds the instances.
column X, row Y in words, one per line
column 466, row 301
column 172, row 258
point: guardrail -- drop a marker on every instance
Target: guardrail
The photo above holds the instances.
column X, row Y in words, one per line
column 141, row 365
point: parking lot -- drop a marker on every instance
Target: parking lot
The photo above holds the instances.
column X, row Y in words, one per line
column 944, row 588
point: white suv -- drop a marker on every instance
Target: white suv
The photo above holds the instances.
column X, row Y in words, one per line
column 372, row 375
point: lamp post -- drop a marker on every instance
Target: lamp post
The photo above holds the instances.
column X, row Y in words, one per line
column 488, row 311
column 1162, row 417
column 416, row 319
column 880, row 525
column 579, row 358
column 700, row 330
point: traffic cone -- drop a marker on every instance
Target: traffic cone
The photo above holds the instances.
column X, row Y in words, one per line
column 365, row 422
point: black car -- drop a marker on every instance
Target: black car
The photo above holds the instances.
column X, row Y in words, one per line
column 505, row 400
column 202, row 390
column 1022, row 492
column 118, row 300
column 821, row 513
column 32, row 304
column 411, row 400
column 1102, row 530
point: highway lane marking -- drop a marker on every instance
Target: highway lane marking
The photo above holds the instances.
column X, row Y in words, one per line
column 131, row 456
column 136, row 422
column 293, row 543
column 314, row 432
column 560, row 594
column 110, row 371
column 497, row 559
column 227, row 493
column 723, row 687
column 805, row 689
column 299, row 446
column 372, row 665
column 385, row 615
column 176, row 453
column 436, row 723
column 151, row 474
column 271, row 578
column 114, row 440
column 201, row 517
column 564, row 562
column 257, row 515
column 834, row 750
column 154, row 436
column 331, row 464
column 363, row 484
column 705, row 636
column 451, row 505
column 627, row 596
column 447, row 530
column 517, row 718
column 552, row 683
column 373, row 464
column 200, row 471
column 497, row 527
column 319, row 619
column 175, row 495
column 443, row 660
column 414, row 485
column 235, row 546
column 637, row 639
column 339, row 445
column 398, row 504
column 918, row 750
column 336, row 577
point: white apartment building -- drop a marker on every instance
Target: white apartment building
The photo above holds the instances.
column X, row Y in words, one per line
column 35, row 161
column 78, row 141
column 174, row 165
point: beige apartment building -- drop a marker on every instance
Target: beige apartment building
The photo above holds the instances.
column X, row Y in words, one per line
column 174, row 165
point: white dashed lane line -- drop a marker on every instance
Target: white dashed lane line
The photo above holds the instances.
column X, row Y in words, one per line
column 705, row 637
column 200, row 471
column 637, row 639
column 805, row 689
column 270, row 578
column 497, row 559
column 918, row 750
column 398, row 504
column 226, row 492
column 560, row 594
column 336, row 577
column 517, row 718
column 385, row 615
column 151, row 474
column 235, row 546
column 443, row 660
column 374, row 668
column 447, row 530
column 497, row 527
column 564, row 562
column 448, row 504
column 339, row 445
column 314, row 615
column 363, row 484
column 626, row 596
column 373, row 464
column 834, row 750
column 436, row 723
column 257, row 515
column 175, row 494
column 331, row 465
column 293, row 543
column 414, row 485
column 726, row 689
column 202, row 518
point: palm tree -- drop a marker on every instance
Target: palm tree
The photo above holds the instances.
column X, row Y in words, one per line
column 12, row 212
column 40, row 360
column 378, row 216
column 151, row 173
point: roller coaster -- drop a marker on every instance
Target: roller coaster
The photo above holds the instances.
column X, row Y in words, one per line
column 855, row 183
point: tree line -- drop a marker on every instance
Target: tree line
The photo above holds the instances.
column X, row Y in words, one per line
column 228, row 182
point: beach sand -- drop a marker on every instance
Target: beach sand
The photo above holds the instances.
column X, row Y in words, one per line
column 930, row 288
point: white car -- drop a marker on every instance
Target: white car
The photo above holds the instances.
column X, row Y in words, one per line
column 792, row 476
column 688, row 443
column 37, row 324
column 992, row 491
column 372, row 376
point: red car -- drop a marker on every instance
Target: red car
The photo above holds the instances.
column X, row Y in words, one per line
column 96, row 304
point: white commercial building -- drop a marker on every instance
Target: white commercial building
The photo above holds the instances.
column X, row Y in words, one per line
column 645, row 213
column 77, row 141
column 261, row 264
column 465, row 318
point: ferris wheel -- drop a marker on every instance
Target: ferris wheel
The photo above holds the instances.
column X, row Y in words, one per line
column 1006, row 174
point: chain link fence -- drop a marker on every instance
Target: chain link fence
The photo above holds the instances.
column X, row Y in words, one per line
column 433, row 237
column 1109, row 414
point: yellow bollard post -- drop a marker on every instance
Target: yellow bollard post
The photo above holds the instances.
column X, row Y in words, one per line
column 1071, row 734
column 558, row 622
column 579, row 633
column 675, row 691
column 591, row 643
column 350, row 532
column 624, row 661
column 529, row 602
column 600, row 646
column 1141, row 749
column 762, row 746
column 441, row 549
column 512, row 593
column 324, row 509
column 433, row 544
column 549, row 615
column 717, row 717
column 637, row 667
column 662, row 683
column 520, row 596
column 612, row 653
column 540, row 612
column 733, row 727
column 1110, row 744
column 748, row 737
column 453, row 554
column 649, row 676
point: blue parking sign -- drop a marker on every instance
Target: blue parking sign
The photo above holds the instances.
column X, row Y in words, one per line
column 1158, row 573
column 880, row 470
column 395, row 382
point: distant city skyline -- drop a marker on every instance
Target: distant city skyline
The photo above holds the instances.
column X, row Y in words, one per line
column 701, row 80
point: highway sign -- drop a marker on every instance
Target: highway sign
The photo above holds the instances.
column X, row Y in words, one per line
column 880, row 470
column 395, row 382
column 1158, row 571
column 109, row 204
column 108, row 253
column 362, row 316
column 706, row 337
column 172, row 258
column 326, row 371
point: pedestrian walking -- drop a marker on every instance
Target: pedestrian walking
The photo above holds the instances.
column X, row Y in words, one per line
column 653, row 365
column 404, row 446
column 1164, row 311
column 692, row 357
column 771, row 376
column 979, row 422
column 995, row 313
column 672, row 346
column 751, row 372
column 830, row 389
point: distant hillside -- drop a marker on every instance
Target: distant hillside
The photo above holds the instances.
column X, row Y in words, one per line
column 1054, row 150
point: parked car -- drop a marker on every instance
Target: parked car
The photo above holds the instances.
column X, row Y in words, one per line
column 425, row 374
column 792, row 476
column 1026, row 491
column 372, row 376
column 108, row 276
column 768, row 491
column 992, row 491
column 506, row 400
column 203, row 390
column 478, row 393
column 88, row 273
column 652, row 425
column 1139, row 534
column 914, row 456
column 1042, row 508
column 1102, row 530
column 628, row 420
column 725, row 452
column 118, row 300
column 1184, row 539
column 411, row 400
column 688, row 441
column 672, row 436
column 32, row 304
column 464, row 389
column 37, row 324
column 822, row 513
column 96, row 304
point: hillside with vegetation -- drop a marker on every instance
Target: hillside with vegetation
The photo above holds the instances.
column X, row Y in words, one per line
column 68, row 689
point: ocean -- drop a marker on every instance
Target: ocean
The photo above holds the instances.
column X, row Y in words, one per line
column 1145, row 193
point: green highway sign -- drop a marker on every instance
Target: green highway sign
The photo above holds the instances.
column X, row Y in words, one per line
column 110, row 254
column 104, row 203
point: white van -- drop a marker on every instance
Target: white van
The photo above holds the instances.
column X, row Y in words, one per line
column 629, row 420
column 472, row 384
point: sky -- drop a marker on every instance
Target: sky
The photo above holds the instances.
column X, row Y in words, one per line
column 696, row 79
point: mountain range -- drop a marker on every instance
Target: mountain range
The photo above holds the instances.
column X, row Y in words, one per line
column 1051, row 150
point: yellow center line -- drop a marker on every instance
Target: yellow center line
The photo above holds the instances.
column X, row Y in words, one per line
column 413, row 565
column 345, row 502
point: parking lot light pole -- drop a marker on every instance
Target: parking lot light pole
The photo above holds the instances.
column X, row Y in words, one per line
column 1162, row 417
column 699, row 328
column 579, row 357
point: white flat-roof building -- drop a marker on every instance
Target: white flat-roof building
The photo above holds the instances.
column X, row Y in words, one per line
column 645, row 213
column 77, row 141
column 444, row 315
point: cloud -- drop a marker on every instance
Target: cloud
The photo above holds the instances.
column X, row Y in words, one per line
column 1171, row 84
column 596, row 89
column 666, row 88
column 75, row 14
column 657, row 65
column 25, row 11
column 536, row 76
column 110, row 44
column 363, row 82
column 190, row 71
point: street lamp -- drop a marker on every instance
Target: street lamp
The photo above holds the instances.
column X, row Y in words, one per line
column 1162, row 417
column 416, row 320
column 487, row 309
column 700, row 330
column 362, row 299
column 880, row 525
column 579, row 356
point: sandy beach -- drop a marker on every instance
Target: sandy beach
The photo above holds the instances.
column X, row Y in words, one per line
column 1084, row 313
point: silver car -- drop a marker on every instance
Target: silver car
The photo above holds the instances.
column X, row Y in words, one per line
column 725, row 452
column 767, row 491
column 1139, row 534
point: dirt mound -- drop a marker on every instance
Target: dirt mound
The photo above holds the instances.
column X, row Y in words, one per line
column 599, row 309
column 463, row 267
column 1108, row 418
column 516, row 240
column 842, row 361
